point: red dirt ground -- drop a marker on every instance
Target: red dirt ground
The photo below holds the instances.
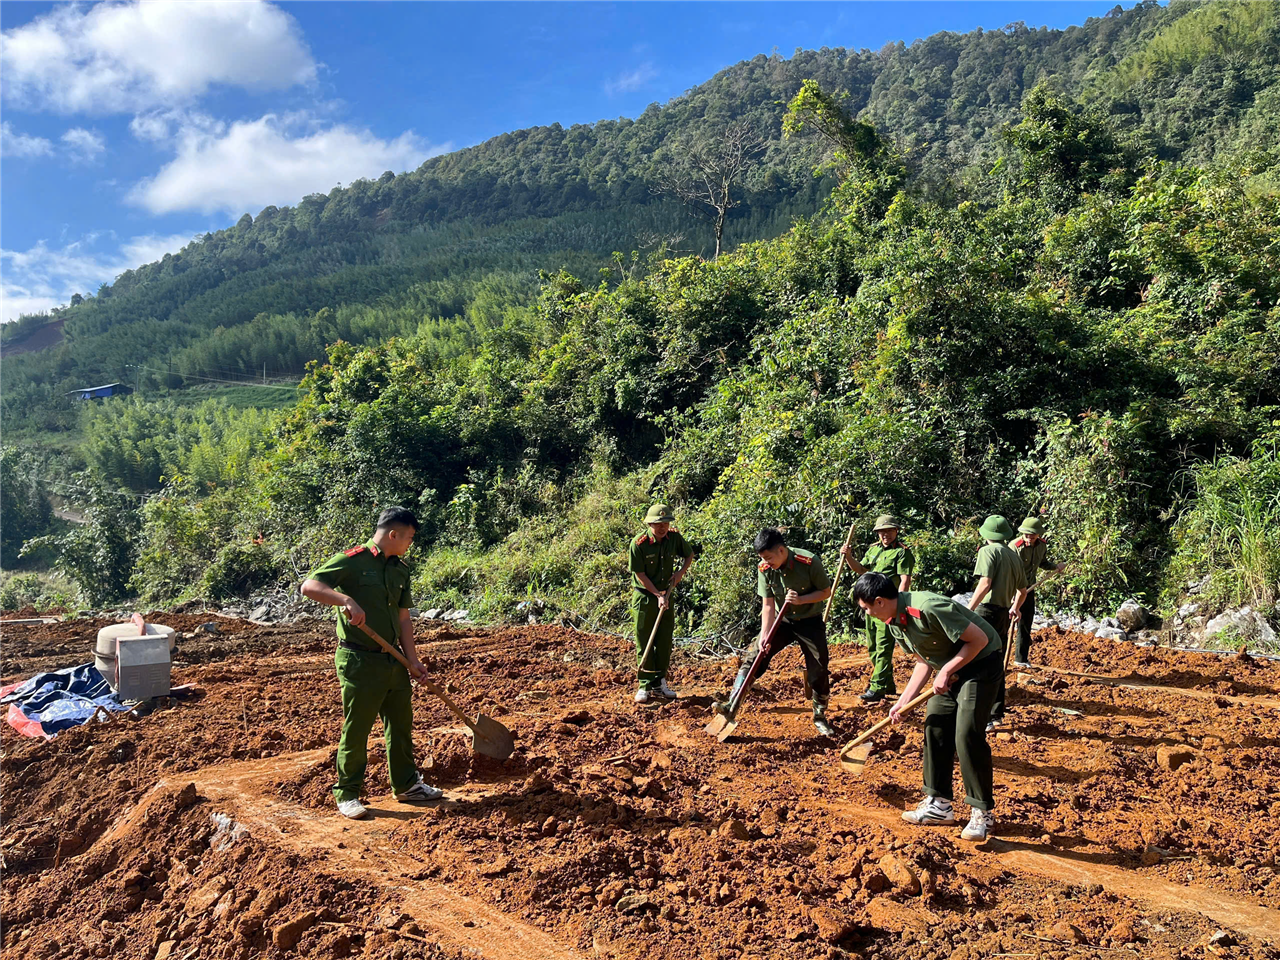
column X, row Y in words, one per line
column 624, row 831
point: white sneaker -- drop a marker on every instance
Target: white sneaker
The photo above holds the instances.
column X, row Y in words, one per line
column 1021, row 665
column 932, row 812
column 353, row 809
column 420, row 791
column 665, row 691
column 642, row 695
column 981, row 825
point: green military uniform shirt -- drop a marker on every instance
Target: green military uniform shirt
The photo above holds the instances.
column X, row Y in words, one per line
column 930, row 625
column 895, row 559
column 656, row 559
column 1004, row 567
column 379, row 583
column 1034, row 558
column 802, row 573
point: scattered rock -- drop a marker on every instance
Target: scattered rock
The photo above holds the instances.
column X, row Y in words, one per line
column 1122, row 932
column 188, row 796
column 1151, row 856
column 1065, row 933
column 165, row 950
column 1132, row 615
column 832, row 925
column 210, row 627
column 928, row 883
column 1171, row 758
column 576, row 717
column 1111, row 633
column 900, row 874
column 287, row 935
column 734, row 828
column 635, row 903
column 433, row 613
column 899, row 917
column 1244, row 624
column 202, row 900
column 874, row 881
column 260, row 612
column 1220, row 939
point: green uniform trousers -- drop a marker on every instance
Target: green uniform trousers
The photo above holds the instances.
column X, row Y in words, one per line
column 955, row 725
column 880, row 649
column 644, row 611
column 1027, row 613
column 998, row 617
column 373, row 685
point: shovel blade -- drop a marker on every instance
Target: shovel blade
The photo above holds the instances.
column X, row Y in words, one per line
column 721, row 726
column 855, row 761
column 491, row 738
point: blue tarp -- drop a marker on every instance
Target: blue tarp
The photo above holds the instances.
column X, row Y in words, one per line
column 63, row 698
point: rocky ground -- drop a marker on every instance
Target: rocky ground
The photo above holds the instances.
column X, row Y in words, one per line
column 1138, row 792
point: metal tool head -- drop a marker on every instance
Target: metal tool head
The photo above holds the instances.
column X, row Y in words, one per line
column 721, row 727
column 491, row 738
column 855, row 761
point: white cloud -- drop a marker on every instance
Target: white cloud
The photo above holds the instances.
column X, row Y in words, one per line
column 83, row 146
column 35, row 280
column 631, row 80
column 130, row 57
column 251, row 164
column 15, row 144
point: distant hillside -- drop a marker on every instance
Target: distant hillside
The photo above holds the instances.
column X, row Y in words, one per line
column 464, row 236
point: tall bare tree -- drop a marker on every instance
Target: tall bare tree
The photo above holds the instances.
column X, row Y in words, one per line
column 707, row 175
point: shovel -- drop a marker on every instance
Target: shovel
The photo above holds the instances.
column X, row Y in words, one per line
column 723, row 724
column 853, row 758
column 488, row 736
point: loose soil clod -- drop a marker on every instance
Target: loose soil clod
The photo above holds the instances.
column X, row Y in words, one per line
column 1128, row 819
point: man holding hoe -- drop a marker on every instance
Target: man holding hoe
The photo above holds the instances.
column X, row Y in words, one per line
column 370, row 583
column 651, row 560
column 1032, row 549
column 893, row 558
column 965, row 650
column 1001, row 589
column 792, row 576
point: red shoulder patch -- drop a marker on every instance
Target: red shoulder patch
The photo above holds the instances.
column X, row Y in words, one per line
column 762, row 566
column 1019, row 543
column 354, row 550
column 915, row 613
column 804, row 560
column 644, row 538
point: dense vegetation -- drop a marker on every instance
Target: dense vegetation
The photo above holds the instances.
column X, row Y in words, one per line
column 1071, row 325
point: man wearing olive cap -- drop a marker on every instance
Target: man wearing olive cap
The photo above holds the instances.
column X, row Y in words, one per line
column 1032, row 548
column 652, row 560
column 892, row 558
column 1002, row 586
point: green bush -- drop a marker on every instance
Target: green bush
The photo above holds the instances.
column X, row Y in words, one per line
column 1229, row 528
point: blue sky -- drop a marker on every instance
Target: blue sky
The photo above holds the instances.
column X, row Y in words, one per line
column 128, row 128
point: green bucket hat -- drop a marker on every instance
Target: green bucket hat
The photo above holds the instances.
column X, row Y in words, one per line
column 1032, row 525
column 996, row 527
column 659, row 513
column 886, row 521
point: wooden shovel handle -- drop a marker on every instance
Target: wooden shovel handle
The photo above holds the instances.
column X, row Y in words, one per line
column 887, row 720
column 840, row 565
column 1008, row 644
column 423, row 682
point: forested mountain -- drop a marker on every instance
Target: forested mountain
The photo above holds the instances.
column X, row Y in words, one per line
column 1043, row 278
column 387, row 256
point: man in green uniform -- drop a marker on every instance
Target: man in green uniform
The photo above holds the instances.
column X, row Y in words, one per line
column 891, row 557
column 370, row 583
column 652, row 560
column 795, row 576
column 966, row 651
column 1033, row 549
column 1002, row 586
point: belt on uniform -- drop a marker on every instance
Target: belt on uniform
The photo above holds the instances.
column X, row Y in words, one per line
column 347, row 645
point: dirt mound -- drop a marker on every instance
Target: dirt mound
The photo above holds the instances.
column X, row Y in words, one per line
column 1128, row 818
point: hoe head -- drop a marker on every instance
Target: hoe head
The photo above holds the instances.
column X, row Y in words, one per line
column 855, row 761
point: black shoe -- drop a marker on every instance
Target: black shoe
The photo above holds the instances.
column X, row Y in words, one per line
column 872, row 696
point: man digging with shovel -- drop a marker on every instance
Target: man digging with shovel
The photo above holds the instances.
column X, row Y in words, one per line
column 651, row 560
column 370, row 583
column 965, row 650
column 794, row 579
